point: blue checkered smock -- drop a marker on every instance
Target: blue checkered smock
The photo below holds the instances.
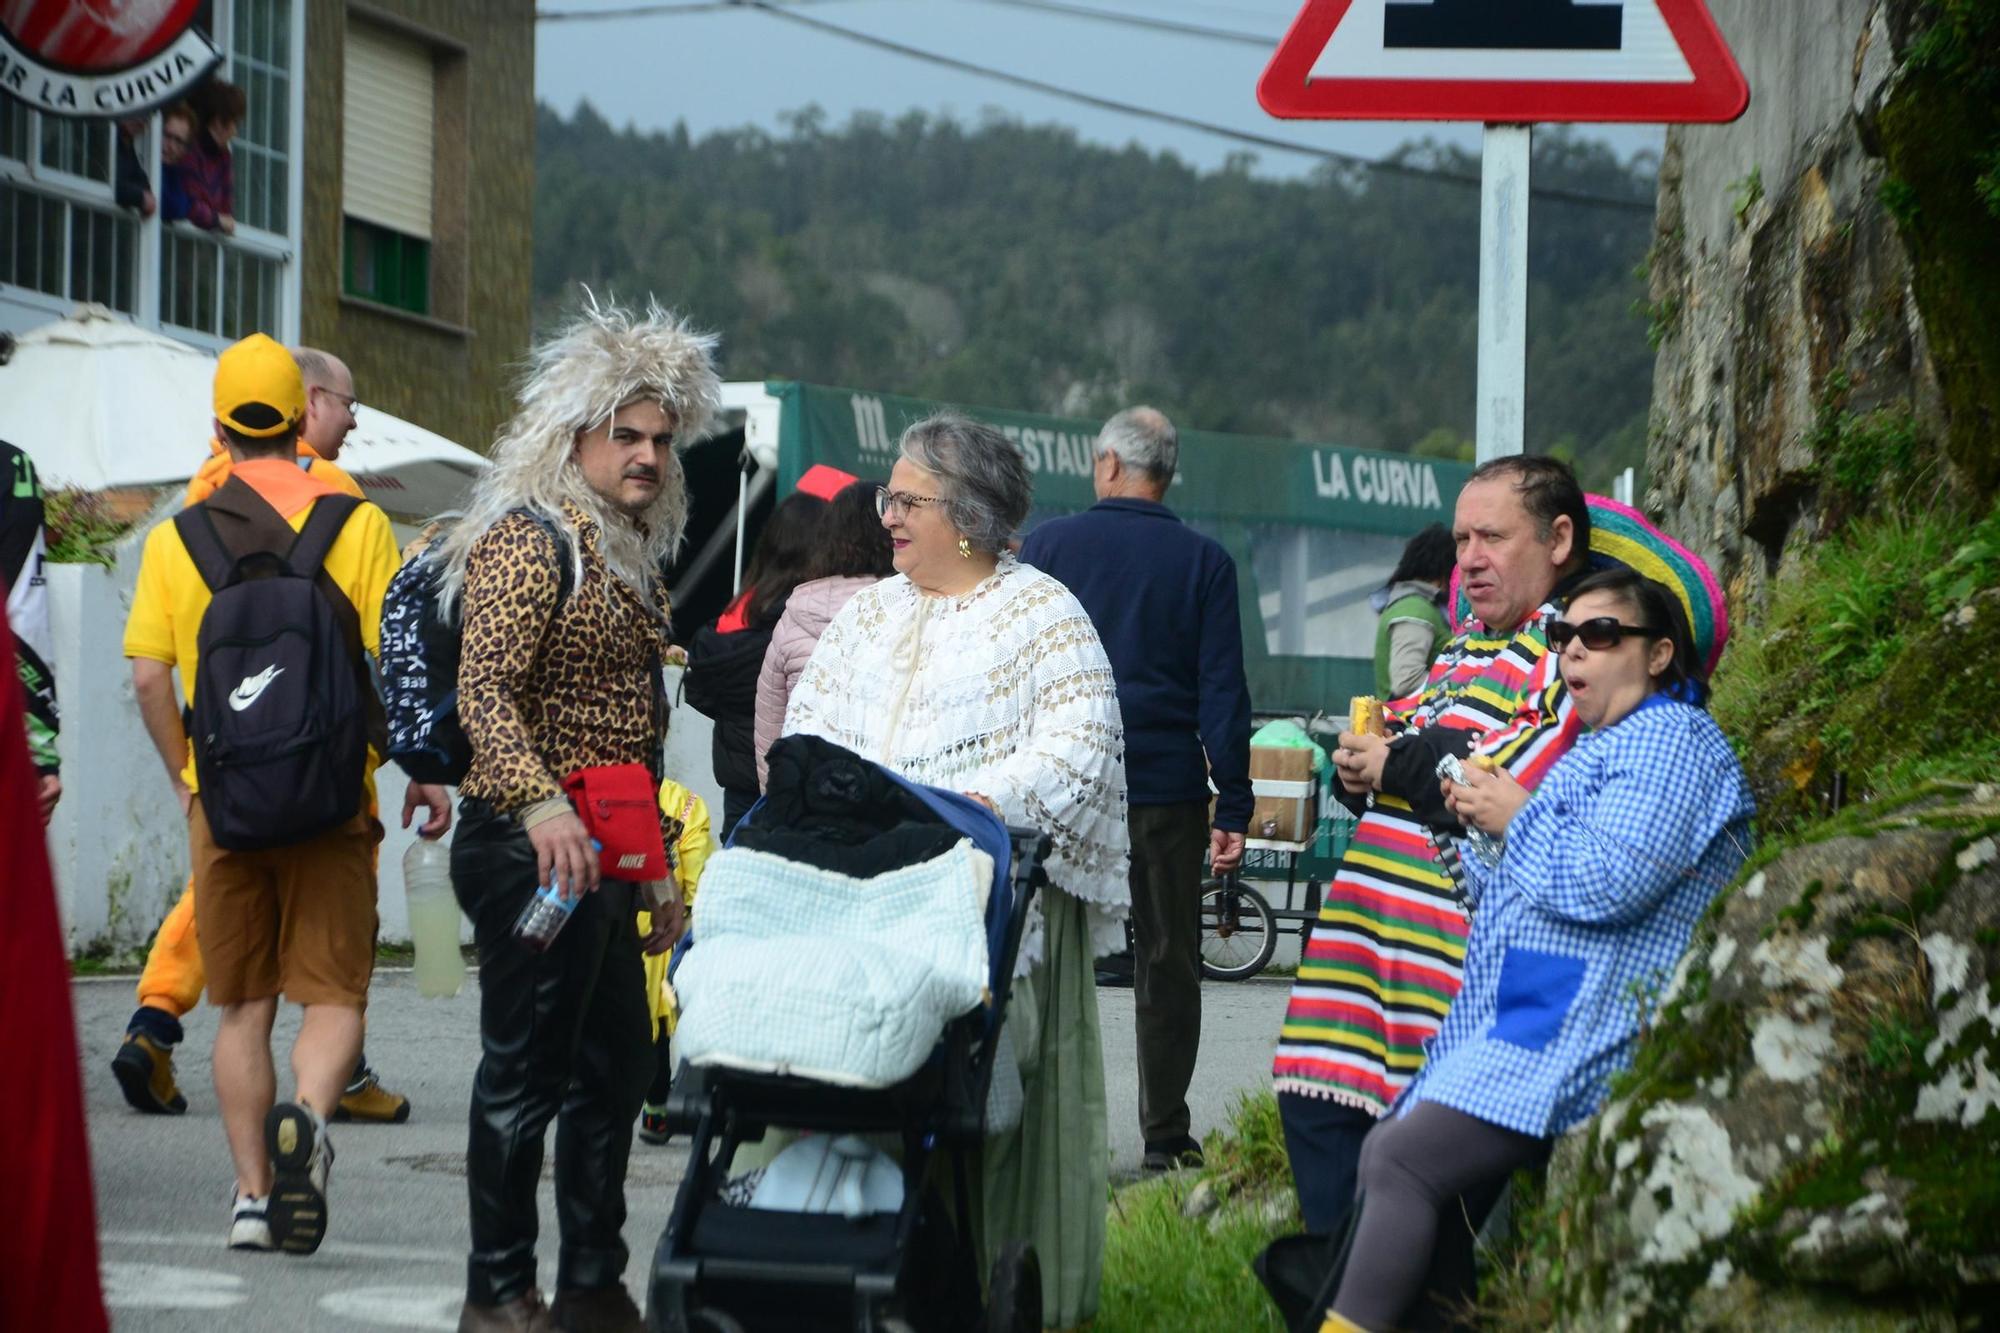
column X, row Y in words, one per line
column 1607, row 868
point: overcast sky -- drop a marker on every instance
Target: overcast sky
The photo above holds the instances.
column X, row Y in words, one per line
column 722, row 70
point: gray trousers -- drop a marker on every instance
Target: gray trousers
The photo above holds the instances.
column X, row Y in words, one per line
column 1168, row 842
column 1427, row 1182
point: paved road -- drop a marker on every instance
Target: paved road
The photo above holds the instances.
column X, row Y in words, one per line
column 395, row 1255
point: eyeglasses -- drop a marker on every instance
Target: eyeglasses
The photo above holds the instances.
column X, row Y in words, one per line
column 1599, row 634
column 900, row 501
column 346, row 400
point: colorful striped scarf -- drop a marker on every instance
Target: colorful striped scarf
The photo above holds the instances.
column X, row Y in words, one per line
column 1388, row 950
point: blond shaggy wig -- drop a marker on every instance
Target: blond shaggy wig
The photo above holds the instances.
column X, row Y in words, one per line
column 605, row 359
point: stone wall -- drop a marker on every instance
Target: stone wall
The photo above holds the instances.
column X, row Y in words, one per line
column 448, row 372
column 1797, row 327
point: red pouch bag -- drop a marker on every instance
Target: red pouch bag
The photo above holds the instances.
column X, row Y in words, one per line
column 618, row 808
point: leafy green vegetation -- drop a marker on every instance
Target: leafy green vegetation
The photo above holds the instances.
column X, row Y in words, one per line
column 1014, row 266
column 81, row 528
column 1166, row 1270
column 1868, row 664
column 1745, row 193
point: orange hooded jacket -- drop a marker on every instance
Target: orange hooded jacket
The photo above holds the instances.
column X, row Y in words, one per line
column 215, row 472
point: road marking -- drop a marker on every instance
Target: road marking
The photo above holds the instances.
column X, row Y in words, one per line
column 167, row 1287
column 398, row 1307
column 344, row 1248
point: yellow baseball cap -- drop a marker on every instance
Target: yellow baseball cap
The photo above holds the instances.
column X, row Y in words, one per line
column 258, row 389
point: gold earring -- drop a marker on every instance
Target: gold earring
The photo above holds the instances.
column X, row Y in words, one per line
column 965, row 548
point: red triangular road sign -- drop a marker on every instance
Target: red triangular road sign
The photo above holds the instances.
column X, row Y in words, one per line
column 1517, row 61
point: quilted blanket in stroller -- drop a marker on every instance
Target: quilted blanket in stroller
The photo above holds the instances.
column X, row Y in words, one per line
column 807, row 972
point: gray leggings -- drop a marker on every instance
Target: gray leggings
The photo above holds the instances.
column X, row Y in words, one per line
column 1427, row 1181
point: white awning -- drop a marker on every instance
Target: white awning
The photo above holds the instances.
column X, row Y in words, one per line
column 98, row 403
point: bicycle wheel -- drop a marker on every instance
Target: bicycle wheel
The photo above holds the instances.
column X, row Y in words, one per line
column 1238, row 935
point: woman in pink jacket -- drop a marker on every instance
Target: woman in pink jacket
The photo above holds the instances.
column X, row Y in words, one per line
column 854, row 553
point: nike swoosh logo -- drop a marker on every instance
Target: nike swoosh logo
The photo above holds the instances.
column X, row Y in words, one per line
column 253, row 687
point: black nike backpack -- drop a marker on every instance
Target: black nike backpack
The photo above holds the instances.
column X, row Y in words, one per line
column 419, row 657
column 280, row 717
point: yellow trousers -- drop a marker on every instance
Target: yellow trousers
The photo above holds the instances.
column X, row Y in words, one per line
column 173, row 978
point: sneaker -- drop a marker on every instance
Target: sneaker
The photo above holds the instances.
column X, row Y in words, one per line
column 144, row 1069
column 653, row 1124
column 250, row 1225
column 301, row 1157
column 1173, row 1155
column 367, row 1099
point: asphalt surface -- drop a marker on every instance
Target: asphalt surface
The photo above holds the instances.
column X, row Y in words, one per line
column 395, row 1252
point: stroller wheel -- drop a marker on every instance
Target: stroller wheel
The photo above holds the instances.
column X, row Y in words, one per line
column 1014, row 1292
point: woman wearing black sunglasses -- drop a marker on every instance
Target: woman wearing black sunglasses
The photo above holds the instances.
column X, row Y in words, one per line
column 1605, row 871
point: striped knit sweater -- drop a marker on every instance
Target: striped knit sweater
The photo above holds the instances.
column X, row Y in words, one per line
column 1387, row 952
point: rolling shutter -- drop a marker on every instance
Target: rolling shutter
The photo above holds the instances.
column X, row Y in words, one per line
column 388, row 138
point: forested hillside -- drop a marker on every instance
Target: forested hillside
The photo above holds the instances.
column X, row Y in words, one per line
column 1012, row 265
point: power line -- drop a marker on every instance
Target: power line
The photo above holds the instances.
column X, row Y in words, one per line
column 649, row 11
column 1141, row 21
column 784, row 10
column 779, row 11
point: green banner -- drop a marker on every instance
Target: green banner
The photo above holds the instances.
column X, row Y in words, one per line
column 1314, row 529
column 1222, row 477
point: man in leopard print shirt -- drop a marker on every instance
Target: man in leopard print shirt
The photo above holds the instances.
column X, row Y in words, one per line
column 559, row 670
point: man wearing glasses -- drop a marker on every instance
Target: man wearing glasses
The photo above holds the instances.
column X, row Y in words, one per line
column 330, row 404
column 1387, row 953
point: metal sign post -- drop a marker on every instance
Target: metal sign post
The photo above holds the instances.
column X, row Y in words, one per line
column 1509, row 64
column 1501, row 419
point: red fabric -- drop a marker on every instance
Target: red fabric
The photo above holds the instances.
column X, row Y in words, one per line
column 618, row 808
column 825, row 482
column 48, row 1266
column 735, row 617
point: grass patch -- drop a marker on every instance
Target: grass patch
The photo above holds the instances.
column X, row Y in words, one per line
column 1192, row 1274
column 1163, row 1270
column 1859, row 674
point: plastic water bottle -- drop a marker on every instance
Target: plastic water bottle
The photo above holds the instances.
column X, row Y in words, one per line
column 434, row 918
column 544, row 917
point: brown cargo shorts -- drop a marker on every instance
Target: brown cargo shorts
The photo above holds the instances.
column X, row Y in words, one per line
column 296, row 920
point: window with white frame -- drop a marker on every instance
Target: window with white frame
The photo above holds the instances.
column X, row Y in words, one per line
column 70, row 230
column 62, row 235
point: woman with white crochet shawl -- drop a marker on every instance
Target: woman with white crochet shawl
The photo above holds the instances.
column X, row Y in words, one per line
column 976, row 673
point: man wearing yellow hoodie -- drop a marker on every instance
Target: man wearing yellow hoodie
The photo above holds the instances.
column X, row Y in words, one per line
column 172, row 982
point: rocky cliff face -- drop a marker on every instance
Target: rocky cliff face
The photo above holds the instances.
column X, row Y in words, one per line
column 1810, row 1135
column 1808, row 1138
column 1824, row 324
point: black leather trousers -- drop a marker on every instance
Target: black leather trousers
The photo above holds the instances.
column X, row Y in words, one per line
column 566, row 1036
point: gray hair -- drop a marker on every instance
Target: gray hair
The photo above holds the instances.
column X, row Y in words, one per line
column 983, row 477
column 315, row 366
column 1143, row 438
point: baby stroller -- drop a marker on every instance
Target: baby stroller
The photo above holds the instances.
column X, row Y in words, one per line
column 722, row 1266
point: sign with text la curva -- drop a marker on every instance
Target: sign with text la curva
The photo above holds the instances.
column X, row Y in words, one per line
column 1222, row 477
column 101, row 58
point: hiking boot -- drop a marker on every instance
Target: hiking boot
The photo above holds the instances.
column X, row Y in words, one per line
column 1172, row 1155
column 301, row 1157
column 144, row 1069
column 597, row 1310
column 367, row 1099
column 523, row 1314
column 653, row 1124
column 250, row 1225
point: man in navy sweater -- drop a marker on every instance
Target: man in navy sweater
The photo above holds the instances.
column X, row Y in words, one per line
column 1163, row 598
